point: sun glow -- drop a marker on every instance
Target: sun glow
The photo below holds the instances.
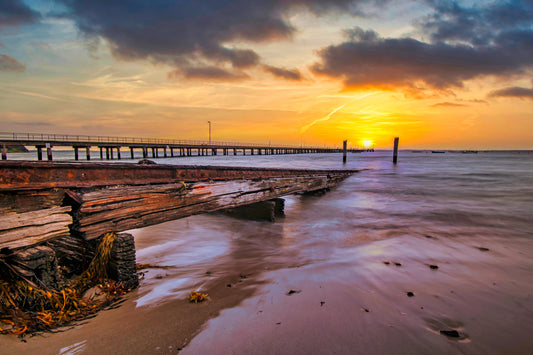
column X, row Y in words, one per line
column 367, row 143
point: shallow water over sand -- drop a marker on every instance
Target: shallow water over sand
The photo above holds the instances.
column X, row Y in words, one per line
column 485, row 195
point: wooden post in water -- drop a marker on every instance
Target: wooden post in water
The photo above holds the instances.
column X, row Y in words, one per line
column 4, row 152
column 88, row 152
column 76, row 155
column 39, row 152
column 395, row 154
column 344, row 143
column 49, row 151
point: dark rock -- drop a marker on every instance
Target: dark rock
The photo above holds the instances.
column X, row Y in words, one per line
column 483, row 249
column 434, row 267
column 450, row 333
column 398, row 264
column 146, row 162
column 322, row 303
column 291, row 292
column 386, row 262
column 410, row 294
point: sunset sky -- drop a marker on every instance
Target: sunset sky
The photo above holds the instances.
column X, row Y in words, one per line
column 438, row 74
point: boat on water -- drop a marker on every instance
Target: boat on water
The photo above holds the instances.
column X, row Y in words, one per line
column 438, row 151
column 469, row 151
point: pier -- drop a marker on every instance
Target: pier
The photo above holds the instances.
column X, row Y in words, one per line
column 111, row 148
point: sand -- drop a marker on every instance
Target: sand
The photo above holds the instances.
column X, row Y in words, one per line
column 375, row 298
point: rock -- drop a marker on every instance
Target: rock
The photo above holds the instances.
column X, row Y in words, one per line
column 146, row 162
column 433, row 267
column 450, row 333
column 292, row 292
column 410, row 294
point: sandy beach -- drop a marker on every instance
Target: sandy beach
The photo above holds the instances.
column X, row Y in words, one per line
column 336, row 306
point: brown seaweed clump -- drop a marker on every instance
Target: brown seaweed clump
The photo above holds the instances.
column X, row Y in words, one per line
column 27, row 307
column 197, row 297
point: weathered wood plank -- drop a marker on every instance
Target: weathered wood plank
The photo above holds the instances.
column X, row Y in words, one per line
column 20, row 175
column 23, row 229
column 141, row 210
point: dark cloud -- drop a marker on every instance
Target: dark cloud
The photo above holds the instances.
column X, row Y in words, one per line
column 367, row 60
column 518, row 92
column 289, row 74
column 190, row 33
column 207, row 73
column 8, row 63
column 479, row 24
column 15, row 13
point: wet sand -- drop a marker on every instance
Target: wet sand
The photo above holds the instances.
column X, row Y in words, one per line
column 373, row 298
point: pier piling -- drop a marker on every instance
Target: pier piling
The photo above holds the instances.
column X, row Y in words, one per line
column 344, row 143
column 395, row 154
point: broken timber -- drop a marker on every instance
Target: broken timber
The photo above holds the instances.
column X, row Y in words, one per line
column 40, row 201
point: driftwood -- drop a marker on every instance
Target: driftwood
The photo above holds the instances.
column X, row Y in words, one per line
column 21, row 229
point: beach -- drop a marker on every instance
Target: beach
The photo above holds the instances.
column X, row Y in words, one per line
column 430, row 256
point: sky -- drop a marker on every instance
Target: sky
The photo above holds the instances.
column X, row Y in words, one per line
column 436, row 73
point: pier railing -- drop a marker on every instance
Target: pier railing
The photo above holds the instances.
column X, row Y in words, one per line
column 85, row 139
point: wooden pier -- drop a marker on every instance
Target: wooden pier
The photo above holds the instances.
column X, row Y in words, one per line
column 125, row 147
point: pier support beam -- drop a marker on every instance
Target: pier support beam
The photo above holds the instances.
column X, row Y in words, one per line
column 88, row 152
column 4, row 152
column 49, row 151
column 132, row 153
column 39, row 152
column 76, row 156
column 118, row 153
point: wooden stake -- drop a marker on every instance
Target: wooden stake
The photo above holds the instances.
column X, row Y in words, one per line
column 344, row 143
column 395, row 154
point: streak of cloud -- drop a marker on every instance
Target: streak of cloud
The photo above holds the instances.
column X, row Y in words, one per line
column 326, row 118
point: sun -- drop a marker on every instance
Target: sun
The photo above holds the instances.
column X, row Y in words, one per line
column 367, row 143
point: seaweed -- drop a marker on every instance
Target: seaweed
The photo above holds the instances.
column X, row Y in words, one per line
column 26, row 307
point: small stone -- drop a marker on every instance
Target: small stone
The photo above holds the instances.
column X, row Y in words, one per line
column 398, row 264
column 291, row 292
column 386, row 262
column 450, row 333
column 483, row 249
column 228, row 285
column 433, row 267
column 410, row 294
column 322, row 303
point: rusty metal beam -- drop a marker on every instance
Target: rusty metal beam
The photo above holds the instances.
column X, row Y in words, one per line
column 26, row 175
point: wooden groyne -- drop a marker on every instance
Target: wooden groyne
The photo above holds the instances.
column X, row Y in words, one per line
column 45, row 201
